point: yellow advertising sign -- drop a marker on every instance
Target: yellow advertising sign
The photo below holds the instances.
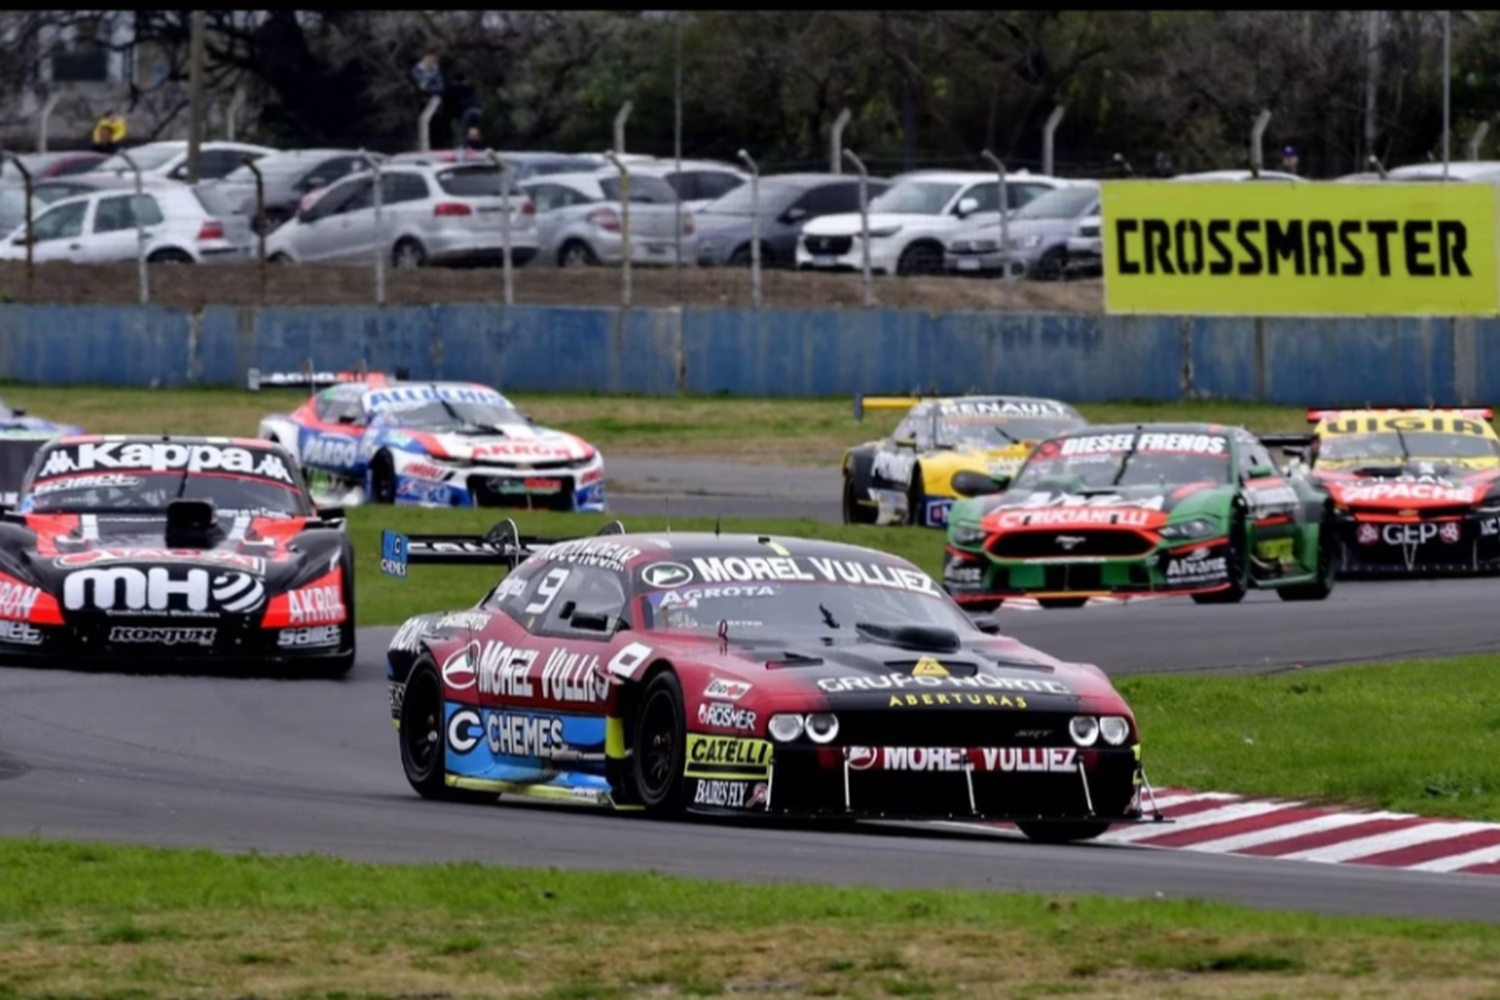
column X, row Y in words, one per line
column 1289, row 249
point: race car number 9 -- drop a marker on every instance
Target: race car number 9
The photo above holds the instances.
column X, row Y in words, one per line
column 547, row 590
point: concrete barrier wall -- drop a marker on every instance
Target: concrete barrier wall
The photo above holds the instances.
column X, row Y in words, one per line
column 773, row 352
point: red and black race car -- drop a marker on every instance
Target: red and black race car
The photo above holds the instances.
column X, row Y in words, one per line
column 747, row 675
column 160, row 550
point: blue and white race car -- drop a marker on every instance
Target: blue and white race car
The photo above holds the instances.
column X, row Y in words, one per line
column 435, row 444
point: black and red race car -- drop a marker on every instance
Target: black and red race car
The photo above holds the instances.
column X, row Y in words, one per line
column 161, row 550
column 747, row 675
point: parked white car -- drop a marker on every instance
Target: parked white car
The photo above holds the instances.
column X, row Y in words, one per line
column 912, row 220
column 180, row 225
column 169, row 160
column 580, row 219
column 446, row 214
column 1086, row 247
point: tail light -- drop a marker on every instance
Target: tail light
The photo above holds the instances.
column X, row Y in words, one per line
column 528, row 207
column 605, row 218
column 212, row 229
column 452, row 208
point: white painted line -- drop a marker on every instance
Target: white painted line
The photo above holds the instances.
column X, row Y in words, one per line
column 1363, row 847
column 1287, row 831
column 1172, row 801
column 1209, row 817
column 1455, row 862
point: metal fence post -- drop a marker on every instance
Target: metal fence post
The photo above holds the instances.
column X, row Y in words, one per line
column 424, row 124
column 836, row 142
column 620, row 120
column 380, row 252
column 1257, row 141
column 44, row 120
column 1003, row 200
column 505, row 261
column 140, row 228
column 27, row 187
column 232, row 114
column 755, row 291
column 261, row 223
column 1049, row 134
column 624, row 218
column 864, row 225
column 1477, row 139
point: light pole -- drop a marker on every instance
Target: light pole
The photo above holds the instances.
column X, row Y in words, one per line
column 1447, row 85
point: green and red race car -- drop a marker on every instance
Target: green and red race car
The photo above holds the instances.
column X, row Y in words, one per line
column 1136, row 510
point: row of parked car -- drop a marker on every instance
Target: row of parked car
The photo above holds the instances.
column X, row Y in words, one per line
column 454, row 207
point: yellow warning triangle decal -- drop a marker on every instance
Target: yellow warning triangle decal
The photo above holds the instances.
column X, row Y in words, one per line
column 928, row 667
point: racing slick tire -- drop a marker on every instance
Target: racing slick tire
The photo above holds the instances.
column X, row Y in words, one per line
column 854, row 511
column 1062, row 602
column 1328, row 558
column 382, row 479
column 1042, row 832
column 1239, row 565
column 423, row 747
column 659, row 750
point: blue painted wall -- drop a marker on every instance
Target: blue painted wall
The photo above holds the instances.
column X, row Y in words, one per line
column 773, row 352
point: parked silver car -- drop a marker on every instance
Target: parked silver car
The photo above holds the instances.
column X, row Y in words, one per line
column 1037, row 232
column 1086, row 248
column 287, row 178
column 579, row 219
column 726, row 227
column 180, row 225
column 169, row 160
column 429, row 215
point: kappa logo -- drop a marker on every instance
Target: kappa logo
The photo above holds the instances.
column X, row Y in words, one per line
column 666, row 575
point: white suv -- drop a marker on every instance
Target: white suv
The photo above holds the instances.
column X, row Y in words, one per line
column 912, row 220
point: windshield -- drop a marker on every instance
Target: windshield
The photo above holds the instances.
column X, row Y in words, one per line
column 97, row 477
column 915, row 198
column 774, row 199
column 443, row 407
column 647, row 190
column 1103, row 461
column 1063, row 203
column 1394, row 448
column 776, row 608
column 145, row 157
column 1001, row 432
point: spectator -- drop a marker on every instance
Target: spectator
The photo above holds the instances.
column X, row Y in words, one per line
column 109, row 133
column 1289, row 159
column 428, row 76
column 473, row 147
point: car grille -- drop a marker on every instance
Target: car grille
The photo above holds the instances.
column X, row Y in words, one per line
column 835, row 245
column 954, row 727
column 533, row 466
column 1062, row 544
column 489, row 490
column 1089, row 232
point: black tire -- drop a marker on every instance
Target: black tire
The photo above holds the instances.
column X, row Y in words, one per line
column 1062, row 602
column 576, row 253
column 659, row 750
column 1328, row 558
column 170, row 256
column 1052, row 266
column 854, row 511
column 920, row 259
column 279, row 258
column 1238, row 563
column 382, row 479
column 408, row 255
column 1061, row 833
column 741, row 257
column 424, row 752
column 916, row 499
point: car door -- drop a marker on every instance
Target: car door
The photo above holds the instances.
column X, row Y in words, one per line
column 347, row 233
column 404, row 208
column 59, row 231
column 1275, row 508
column 316, row 236
column 112, row 233
column 332, row 445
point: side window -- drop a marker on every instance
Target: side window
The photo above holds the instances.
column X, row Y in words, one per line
column 333, row 201
column 1256, row 455
column 396, row 188
column 716, row 184
column 562, row 591
column 988, row 196
column 146, row 210
column 113, row 214
column 906, row 430
column 216, row 163
column 363, row 197
column 685, row 184
column 1017, row 195
column 62, row 222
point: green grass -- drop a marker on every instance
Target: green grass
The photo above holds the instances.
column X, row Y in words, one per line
column 1411, row 737
column 89, row 920
column 782, row 431
column 386, row 600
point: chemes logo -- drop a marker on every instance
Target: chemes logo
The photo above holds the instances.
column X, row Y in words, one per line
column 666, row 575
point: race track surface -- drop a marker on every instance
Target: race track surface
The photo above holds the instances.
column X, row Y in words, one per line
column 312, row 766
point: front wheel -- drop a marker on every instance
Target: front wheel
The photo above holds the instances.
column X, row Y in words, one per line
column 920, row 260
column 1328, row 556
column 1061, row 833
column 408, row 255
column 854, row 511
column 659, row 754
column 1237, row 565
column 383, row 479
column 424, row 755
column 170, row 257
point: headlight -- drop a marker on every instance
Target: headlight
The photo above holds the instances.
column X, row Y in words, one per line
column 985, row 246
column 880, row 234
column 822, row 727
column 1199, row 527
column 785, row 728
column 1084, row 730
column 967, row 534
column 1114, row 729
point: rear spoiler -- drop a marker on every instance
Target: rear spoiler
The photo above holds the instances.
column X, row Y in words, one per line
column 863, row 402
column 256, row 380
column 502, row 545
column 1473, row 413
column 1298, row 445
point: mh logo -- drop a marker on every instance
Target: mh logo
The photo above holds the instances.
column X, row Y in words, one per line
column 238, row 592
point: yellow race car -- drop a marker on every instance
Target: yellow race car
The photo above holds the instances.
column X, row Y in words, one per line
column 912, row 476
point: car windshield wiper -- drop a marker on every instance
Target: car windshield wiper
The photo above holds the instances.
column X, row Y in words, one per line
column 1125, row 462
column 828, row 618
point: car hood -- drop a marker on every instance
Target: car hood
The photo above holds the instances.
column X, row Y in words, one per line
column 521, row 444
column 1128, row 507
column 978, row 458
column 1408, row 487
column 849, row 224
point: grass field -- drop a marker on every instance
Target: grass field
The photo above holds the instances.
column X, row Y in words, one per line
column 112, row 922
column 791, row 431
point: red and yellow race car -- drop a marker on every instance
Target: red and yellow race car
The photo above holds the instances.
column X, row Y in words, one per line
column 1414, row 490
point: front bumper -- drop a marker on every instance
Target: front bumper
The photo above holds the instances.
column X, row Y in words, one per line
column 975, row 576
column 988, row 263
column 459, row 247
column 1383, row 545
column 844, row 253
column 151, row 644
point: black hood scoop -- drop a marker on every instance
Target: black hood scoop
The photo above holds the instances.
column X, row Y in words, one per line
column 192, row 524
column 918, row 638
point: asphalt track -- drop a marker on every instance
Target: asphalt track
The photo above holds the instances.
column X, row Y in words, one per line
column 311, row 766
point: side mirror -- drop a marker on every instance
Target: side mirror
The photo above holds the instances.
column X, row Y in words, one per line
column 967, row 207
column 794, row 214
column 1261, row 471
column 587, row 621
column 19, row 241
column 331, row 513
column 18, row 412
column 977, row 484
column 988, row 624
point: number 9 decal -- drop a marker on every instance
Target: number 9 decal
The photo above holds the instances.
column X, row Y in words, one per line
column 547, row 590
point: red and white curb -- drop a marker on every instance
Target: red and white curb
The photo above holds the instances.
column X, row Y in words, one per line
column 1218, row 823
